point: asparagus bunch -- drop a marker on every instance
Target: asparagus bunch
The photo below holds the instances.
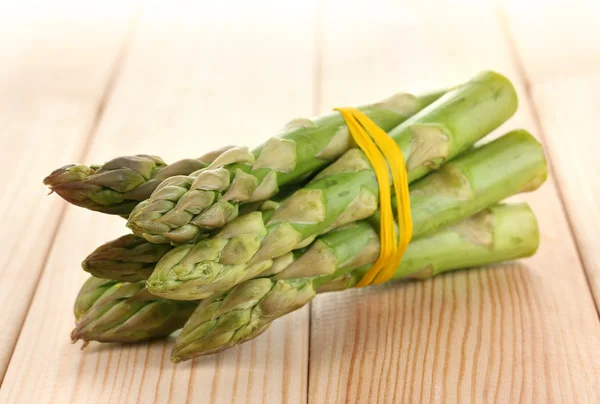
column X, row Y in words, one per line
column 462, row 188
column 342, row 193
column 339, row 258
column 225, row 244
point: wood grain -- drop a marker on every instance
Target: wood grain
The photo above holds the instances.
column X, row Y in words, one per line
column 555, row 38
column 193, row 79
column 567, row 108
column 48, row 105
column 566, row 104
column 520, row 332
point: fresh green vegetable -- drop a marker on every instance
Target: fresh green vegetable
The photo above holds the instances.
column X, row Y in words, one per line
column 502, row 232
column 183, row 208
column 347, row 191
column 128, row 258
column 112, row 311
column 118, row 185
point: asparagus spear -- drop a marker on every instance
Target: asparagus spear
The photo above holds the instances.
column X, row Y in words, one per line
column 128, row 258
column 90, row 292
column 112, row 311
column 181, row 208
column 502, row 232
column 482, row 239
column 346, row 192
column 118, row 185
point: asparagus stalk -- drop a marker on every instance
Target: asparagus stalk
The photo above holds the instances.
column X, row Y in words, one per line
column 502, row 232
column 482, row 239
column 128, row 258
column 118, row 185
column 112, row 311
column 346, row 192
column 182, row 208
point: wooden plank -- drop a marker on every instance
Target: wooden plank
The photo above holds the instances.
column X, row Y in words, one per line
column 520, row 332
column 567, row 110
column 62, row 48
column 46, row 119
column 194, row 79
column 566, row 104
column 556, row 38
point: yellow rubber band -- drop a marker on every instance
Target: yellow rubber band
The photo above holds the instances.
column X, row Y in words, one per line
column 382, row 153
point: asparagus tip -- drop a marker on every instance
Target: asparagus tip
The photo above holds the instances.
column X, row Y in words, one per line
column 67, row 174
column 76, row 336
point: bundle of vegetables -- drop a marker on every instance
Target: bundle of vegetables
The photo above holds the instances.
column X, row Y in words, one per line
column 225, row 244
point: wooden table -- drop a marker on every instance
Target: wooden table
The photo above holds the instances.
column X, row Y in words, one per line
column 83, row 83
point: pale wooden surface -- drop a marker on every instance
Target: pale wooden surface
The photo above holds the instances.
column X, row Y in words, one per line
column 566, row 100
column 49, row 100
column 118, row 78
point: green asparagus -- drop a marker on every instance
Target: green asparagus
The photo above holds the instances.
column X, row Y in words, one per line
column 90, row 292
column 502, row 232
column 181, row 208
column 112, row 311
column 224, row 244
column 346, row 191
column 128, row 258
column 118, row 185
